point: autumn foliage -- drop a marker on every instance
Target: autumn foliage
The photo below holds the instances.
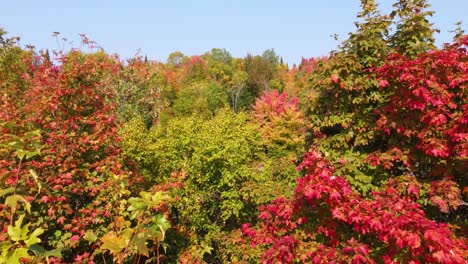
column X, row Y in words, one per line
column 326, row 221
column 427, row 102
column 356, row 157
column 281, row 122
column 78, row 162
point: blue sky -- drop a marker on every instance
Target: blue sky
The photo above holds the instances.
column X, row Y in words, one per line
column 294, row 28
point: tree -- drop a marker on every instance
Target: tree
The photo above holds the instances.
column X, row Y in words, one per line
column 139, row 91
column 271, row 56
column 220, row 66
column 210, row 160
column 201, row 98
column 236, row 88
column 281, row 122
column 327, row 221
column 343, row 98
column 414, row 33
column 261, row 70
column 79, row 179
column 14, row 61
column 219, row 55
column 194, row 69
column 425, row 119
column 176, row 59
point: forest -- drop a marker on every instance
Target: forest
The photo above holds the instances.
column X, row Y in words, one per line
column 360, row 156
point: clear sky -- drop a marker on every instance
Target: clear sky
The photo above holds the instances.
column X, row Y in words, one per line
column 294, row 28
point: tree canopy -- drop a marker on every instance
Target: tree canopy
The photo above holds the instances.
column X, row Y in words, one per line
column 355, row 157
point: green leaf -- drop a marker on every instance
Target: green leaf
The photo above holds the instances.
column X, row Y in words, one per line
column 30, row 154
column 12, row 201
column 57, row 233
column 42, row 252
column 114, row 243
column 33, row 238
column 206, row 248
column 17, row 255
column 4, row 249
column 32, row 134
column 54, row 253
column 17, row 232
column 136, row 204
column 90, row 236
column 38, row 250
column 159, row 197
column 158, row 227
column 6, row 191
column 16, row 144
column 36, row 179
column 161, row 221
column 139, row 240
column 21, row 153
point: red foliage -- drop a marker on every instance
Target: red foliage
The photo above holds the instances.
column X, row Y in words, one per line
column 281, row 122
column 194, row 68
column 428, row 100
column 311, row 64
column 80, row 163
column 426, row 116
column 274, row 103
column 325, row 221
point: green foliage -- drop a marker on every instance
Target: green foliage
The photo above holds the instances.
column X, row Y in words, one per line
column 176, row 59
column 220, row 64
column 20, row 239
column 346, row 93
column 281, row 122
column 214, row 153
column 414, row 33
column 261, row 71
column 13, row 63
column 138, row 230
column 200, row 98
column 271, row 56
column 236, row 89
column 344, row 96
column 220, row 56
column 194, row 70
column 138, row 91
column 219, row 164
column 365, row 47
